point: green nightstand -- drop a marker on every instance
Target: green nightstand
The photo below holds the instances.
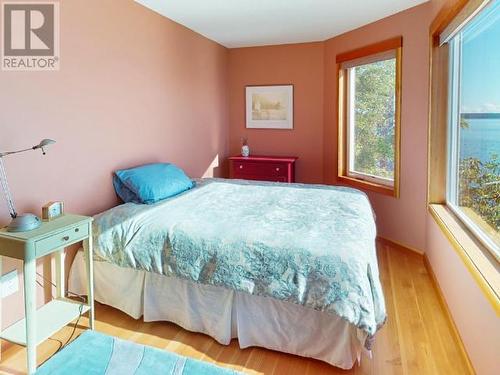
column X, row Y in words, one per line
column 51, row 237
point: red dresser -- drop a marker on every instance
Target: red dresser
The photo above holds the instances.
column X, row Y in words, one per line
column 263, row 168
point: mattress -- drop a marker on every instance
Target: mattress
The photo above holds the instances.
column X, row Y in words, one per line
column 311, row 245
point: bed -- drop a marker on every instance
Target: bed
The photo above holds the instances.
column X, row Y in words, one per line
column 288, row 267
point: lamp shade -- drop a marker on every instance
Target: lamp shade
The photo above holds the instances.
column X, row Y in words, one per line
column 45, row 142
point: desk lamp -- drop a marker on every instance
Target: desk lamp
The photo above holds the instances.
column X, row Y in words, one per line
column 25, row 222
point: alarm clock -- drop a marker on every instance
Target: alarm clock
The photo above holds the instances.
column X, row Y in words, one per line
column 52, row 210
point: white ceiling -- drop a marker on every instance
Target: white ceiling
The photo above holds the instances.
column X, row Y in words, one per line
column 243, row 23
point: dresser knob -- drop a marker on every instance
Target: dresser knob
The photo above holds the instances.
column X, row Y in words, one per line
column 277, row 169
column 65, row 238
column 241, row 167
column 77, row 230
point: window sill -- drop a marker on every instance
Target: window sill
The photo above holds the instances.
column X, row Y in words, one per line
column 367, row 185
column 479, row 261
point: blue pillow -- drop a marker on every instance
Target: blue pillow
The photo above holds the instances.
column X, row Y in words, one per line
column 150, row 183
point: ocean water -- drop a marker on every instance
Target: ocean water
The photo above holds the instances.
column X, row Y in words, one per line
column 481, row 139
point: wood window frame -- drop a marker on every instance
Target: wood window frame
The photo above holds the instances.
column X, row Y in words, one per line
column 480, row 262
column 394, row 44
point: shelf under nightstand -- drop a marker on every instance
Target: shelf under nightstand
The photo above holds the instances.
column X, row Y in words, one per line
column 49, row 319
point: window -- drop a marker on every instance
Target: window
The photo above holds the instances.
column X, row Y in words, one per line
column 464, row 144
column 473, row 183
column 369, row 99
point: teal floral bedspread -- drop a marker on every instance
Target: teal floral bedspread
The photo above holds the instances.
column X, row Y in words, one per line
column 311, row 245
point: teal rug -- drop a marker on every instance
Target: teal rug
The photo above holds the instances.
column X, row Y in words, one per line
column 99, row 354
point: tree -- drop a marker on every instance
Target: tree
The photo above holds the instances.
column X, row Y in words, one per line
column 479, row 188
column 374, row 118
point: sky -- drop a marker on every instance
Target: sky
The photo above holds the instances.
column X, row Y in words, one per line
column 481, row 62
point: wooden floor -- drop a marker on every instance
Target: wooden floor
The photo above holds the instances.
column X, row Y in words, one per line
column 418, row 338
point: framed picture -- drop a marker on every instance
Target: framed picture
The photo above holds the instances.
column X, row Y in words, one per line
column 269, row 107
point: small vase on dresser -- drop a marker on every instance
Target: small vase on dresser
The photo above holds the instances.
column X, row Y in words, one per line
column 245, row 150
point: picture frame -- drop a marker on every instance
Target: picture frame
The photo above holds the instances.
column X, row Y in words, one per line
column 52, row 210
column 269, row 107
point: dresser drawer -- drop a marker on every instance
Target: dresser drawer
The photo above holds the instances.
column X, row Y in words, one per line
column 277, row 170
column 61, row 239
column 245, row 168
column 264, row 178
column 262, row 169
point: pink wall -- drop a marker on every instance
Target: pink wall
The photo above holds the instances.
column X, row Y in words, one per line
column 403, row 219
column 474, row 316
column 297, row 64
column 133, row 87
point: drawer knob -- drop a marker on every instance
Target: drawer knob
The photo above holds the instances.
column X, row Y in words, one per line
column 77, row 230
column 65, row 238
column 241, row 167
column 277, row 169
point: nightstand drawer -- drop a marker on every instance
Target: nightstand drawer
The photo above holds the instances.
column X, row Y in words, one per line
column 61, row 239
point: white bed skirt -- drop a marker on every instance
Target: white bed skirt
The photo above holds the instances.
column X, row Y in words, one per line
column 222, row 313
